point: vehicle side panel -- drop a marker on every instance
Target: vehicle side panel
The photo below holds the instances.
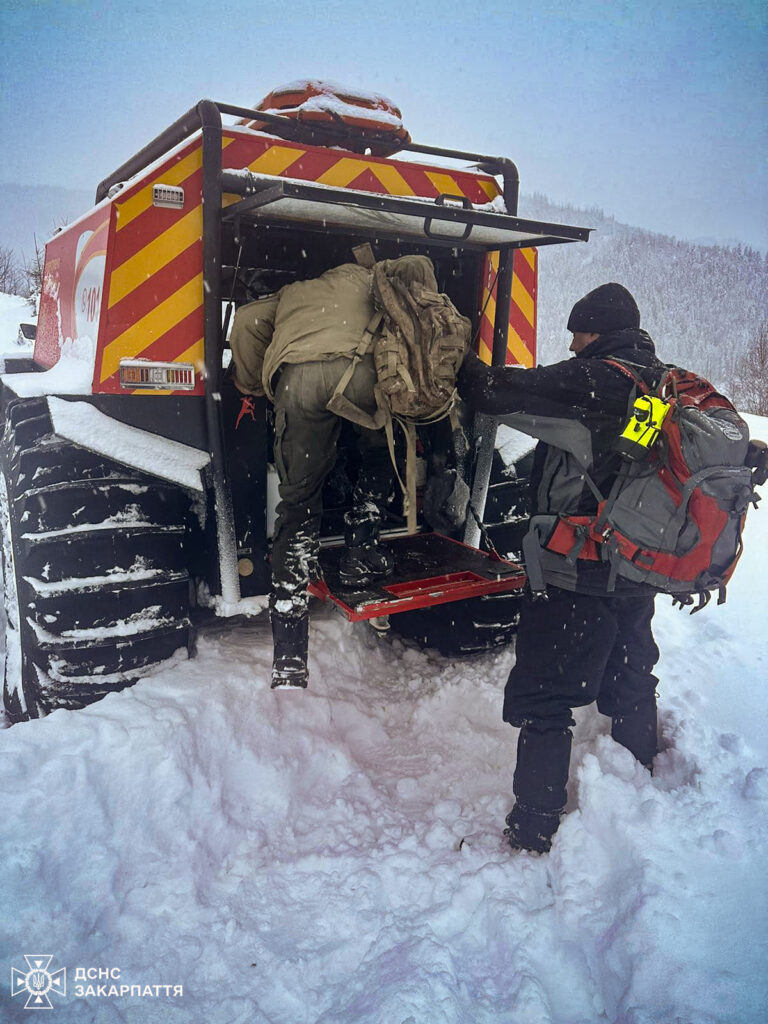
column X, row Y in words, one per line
column 154, row 302
column 73, row 285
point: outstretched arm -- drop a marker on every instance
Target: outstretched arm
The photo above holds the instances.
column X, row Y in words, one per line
column 571, row 389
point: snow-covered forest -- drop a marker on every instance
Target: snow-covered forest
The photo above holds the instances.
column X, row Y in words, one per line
column 704, row 305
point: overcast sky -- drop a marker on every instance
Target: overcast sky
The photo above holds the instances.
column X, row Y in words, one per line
column 653, row 111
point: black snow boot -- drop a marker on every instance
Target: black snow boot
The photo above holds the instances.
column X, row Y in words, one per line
column 637, row 730
column 365, row 559
column 541, row 775
column 290, row 636
column 529, row 828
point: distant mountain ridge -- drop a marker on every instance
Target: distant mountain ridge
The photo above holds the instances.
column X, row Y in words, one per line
column 702, row 304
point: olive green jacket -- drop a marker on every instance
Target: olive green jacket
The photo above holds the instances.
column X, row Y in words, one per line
column 308, row 320
column 322, row 318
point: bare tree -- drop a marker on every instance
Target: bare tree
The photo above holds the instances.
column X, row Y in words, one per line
column 11, row 274
column 33, row 272
column 751, row 375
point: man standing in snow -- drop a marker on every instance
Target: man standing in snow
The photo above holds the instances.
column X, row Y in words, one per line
column 586, row 642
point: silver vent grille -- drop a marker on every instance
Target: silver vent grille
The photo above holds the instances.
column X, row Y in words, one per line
column 170, row 196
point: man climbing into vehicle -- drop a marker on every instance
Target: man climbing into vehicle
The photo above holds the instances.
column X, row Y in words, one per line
column 308, row 348
column 591, row 638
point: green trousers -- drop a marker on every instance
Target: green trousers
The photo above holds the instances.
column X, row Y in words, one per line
column 306, row 435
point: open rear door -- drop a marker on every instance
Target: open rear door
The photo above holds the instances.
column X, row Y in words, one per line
column 447, row 221
column 430, row 569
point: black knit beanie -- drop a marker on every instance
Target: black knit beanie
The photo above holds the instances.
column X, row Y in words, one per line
column 607, row 308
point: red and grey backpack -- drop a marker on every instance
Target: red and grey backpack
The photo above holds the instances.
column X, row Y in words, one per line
column 674, row 518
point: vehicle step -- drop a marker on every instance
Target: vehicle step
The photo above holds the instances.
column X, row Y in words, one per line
column 25, row 409
column 98, row 648
column 79, row 691
column 129, row 656
column 506, row 499
column 507, row 538
column 29, row 431
column 54, row 460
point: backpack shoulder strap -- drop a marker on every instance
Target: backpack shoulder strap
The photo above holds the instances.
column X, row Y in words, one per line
column 388, row 297
column 628, row 369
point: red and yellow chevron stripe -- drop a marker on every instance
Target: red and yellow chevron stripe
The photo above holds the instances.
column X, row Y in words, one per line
column 348, row 170
column 154, row 290
column 521, row 335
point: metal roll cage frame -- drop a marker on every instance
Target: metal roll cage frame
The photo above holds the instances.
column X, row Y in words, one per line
column 207, row 117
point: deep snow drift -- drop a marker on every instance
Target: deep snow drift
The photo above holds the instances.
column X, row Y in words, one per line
column 297, row 857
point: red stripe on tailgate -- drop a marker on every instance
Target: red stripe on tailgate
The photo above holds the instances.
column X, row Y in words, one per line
column 154, row 290
column 142, row 230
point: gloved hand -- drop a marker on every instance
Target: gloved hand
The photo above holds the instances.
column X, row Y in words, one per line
column 471, row 369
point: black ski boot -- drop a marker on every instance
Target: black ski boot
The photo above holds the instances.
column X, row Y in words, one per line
column 364, row 560
column 290, row 636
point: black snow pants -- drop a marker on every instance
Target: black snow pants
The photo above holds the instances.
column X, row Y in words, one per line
column 306, row 435
column 573, row 649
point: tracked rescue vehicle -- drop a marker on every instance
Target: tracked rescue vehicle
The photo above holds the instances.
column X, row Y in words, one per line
column 137, row 489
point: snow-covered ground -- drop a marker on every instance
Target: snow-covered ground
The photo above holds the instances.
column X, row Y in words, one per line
column 334, row 856
column 297, row 857
column 13, row 311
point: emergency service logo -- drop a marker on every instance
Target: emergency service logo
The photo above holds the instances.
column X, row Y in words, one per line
column 38, row 982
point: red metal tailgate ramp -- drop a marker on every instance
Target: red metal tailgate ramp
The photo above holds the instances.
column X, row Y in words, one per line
column 429, row 569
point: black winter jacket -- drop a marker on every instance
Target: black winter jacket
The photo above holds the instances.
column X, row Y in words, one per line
column 583, row 390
